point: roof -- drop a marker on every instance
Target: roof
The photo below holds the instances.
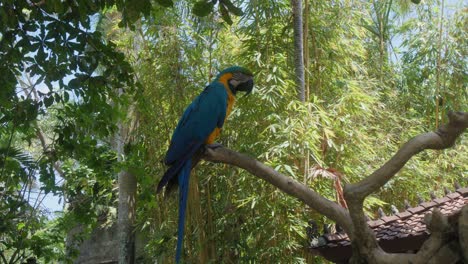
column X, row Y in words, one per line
column 401, row 232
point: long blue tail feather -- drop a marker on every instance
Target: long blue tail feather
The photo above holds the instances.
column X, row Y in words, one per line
column 184, row 176
column 176, row 166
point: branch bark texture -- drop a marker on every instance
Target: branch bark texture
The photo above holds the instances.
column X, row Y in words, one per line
column 463, row 232
column 365, row 246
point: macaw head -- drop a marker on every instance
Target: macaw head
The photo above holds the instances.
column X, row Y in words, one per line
column 238, row 79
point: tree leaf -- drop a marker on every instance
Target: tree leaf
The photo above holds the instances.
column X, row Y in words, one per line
column 48, row 101
column 66, row 97
column 74, row 84
column 225, row 14
column 21, row 225
column 289, row 170
column 203, row 8
column 232, row 8
column 165, row 3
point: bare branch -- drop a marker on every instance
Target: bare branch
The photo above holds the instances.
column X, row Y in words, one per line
column 354, row 222
column 364, row 240
column 463, row 232
column 284, row 183
column 437, row 223
column 449, row 254
column 443, row 138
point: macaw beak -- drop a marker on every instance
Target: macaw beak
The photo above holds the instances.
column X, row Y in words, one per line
column 246, row 87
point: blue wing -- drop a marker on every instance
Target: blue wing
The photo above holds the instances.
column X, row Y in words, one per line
column 202, row 116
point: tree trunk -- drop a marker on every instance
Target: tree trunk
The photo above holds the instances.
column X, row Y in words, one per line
column 127, row 197
column 438, row 66
column 306, row 49
column 126, row 217
column 298, row 49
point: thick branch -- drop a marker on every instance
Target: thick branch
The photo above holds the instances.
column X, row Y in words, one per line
column 463, row 232
column 437, row 223
column 354, row 221
column 448, row 254
column 284, row 183
column 443, row 138
column 364, row 239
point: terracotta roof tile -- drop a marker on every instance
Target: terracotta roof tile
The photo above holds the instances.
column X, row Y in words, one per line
column 344, row 243
column 403, row 214
column 441, row 200
column 415, row 210
column 335, row 237
column 408, row 224
column 463, row 191
column 375, row 223
column 428, row 204
column 453, row 195
column 402, row 235
column 390, row 218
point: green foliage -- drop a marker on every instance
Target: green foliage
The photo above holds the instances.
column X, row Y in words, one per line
column 24, row 228
column 352, row 123
column 59, row 75
column 419, row 87
column 342, row 126
column 203, row 8
column 71, row 72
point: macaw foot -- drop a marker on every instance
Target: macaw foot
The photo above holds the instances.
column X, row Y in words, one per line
column 214, row 145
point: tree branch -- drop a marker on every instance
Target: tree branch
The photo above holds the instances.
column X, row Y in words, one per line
column 284, row 183
column 463, row 232
column 437, row 223
column 354, row 221
column 443, row 138
column 364, row 240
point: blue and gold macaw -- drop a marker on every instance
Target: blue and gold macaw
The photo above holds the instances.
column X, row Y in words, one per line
column 200, row 125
